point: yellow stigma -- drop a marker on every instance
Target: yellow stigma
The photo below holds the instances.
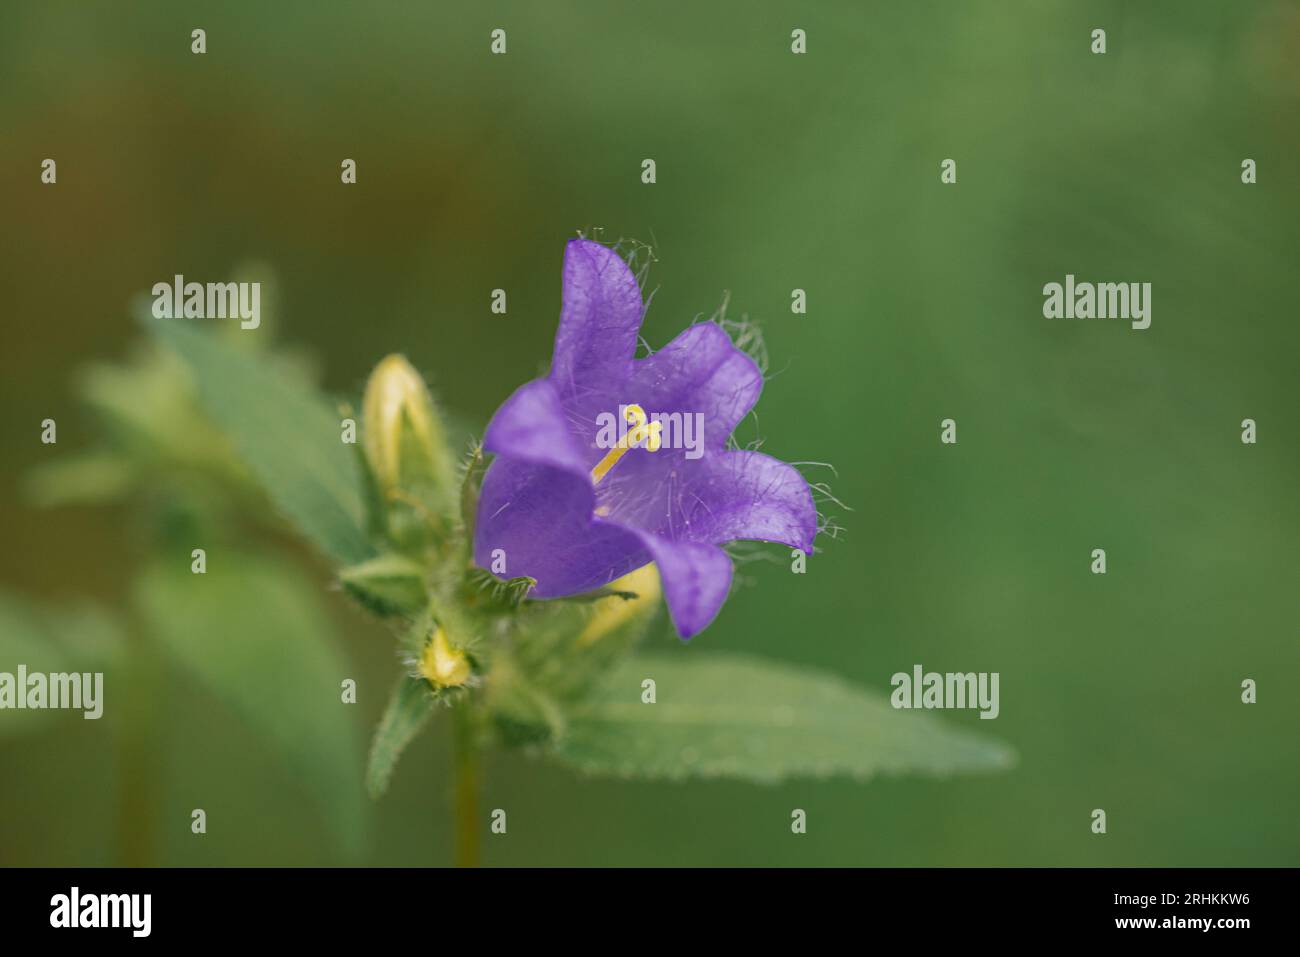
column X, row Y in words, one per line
column 442, row 665
column 641, row 431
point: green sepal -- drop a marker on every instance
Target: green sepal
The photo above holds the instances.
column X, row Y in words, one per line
column 469, row 492
column 485, row 593
column 587, row 597
column 388, row 584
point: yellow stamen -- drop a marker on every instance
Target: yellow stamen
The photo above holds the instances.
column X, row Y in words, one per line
column 641, row 431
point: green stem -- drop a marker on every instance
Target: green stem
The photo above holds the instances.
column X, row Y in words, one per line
column 137, row 745
column 465, row 758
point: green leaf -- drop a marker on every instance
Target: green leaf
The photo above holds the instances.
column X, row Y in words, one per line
column 86, row 478
column 253, row 632
column 408, row 710
column 740, row 717
column 24, row 640
column 387, row 584
column 521, row 713
column 287, row 433
column 80, row 637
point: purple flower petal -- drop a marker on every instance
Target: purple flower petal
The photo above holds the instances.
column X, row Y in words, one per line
column 530, row 427
column 696, row 578
column 699, row 371
column 752, row 496
column 538, row 520
column 601, row 315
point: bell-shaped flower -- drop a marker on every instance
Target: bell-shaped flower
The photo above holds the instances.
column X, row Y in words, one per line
column 574, row 503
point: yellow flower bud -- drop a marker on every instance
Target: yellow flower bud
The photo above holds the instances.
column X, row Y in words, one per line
column 442, row 665
column 402, row 437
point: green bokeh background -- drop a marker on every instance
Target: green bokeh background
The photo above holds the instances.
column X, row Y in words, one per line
column 775, row 171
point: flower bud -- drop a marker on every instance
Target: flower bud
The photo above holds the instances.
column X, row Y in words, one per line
column 442, row 665
column 402, row 436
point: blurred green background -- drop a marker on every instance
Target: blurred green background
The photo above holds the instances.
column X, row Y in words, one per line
column 775, row 171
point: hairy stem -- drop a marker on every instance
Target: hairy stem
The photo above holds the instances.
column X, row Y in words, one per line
column 466, row 764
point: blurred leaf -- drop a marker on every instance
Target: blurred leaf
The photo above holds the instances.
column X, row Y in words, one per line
column 150, row 414
column 81, row 638
column 566, row 647
column 522, row 713
column 740, row 717
column 24, row 641
column 387, row 584
column 288, row 434
column 90, row 635
column 408, row 709
column 86, row 478
column 253, row 632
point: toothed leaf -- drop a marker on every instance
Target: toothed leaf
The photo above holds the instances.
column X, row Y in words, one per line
column 287, row 433
column 387, row 584
column 253, row 632
column 740, row 717
column 408, row 709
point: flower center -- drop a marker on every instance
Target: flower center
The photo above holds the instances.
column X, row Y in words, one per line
column 641, row 431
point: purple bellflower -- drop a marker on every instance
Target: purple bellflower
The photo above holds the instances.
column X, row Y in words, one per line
column 575, row 513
